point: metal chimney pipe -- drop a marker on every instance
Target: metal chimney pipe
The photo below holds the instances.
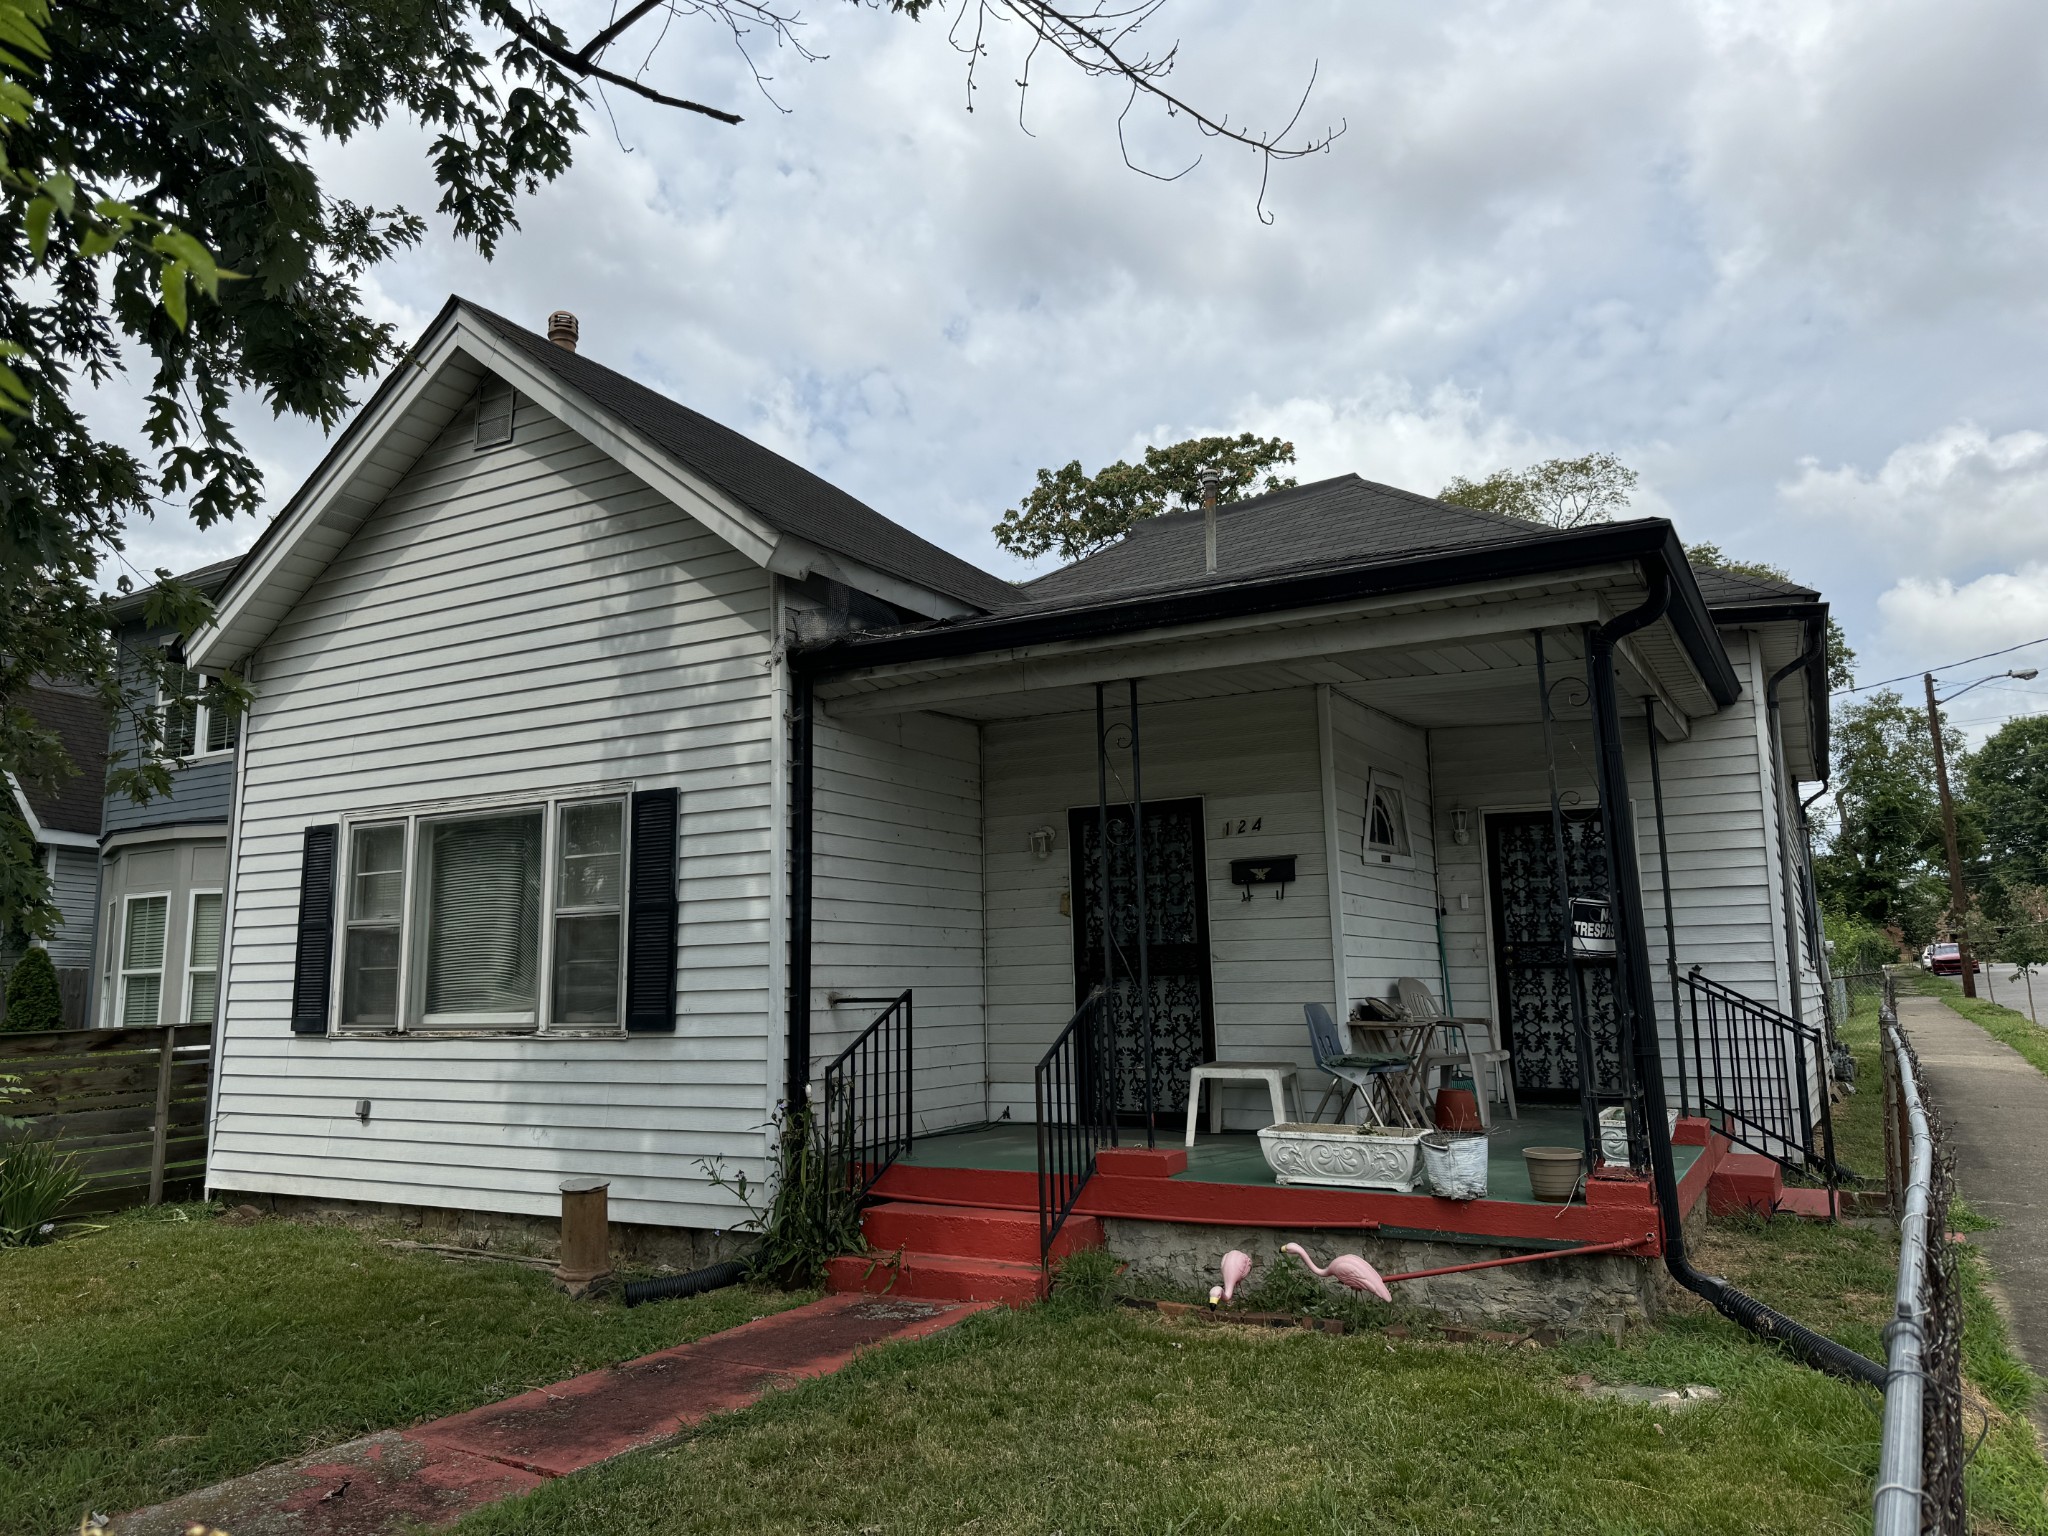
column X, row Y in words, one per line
column 1211, row 481
column 563, row 330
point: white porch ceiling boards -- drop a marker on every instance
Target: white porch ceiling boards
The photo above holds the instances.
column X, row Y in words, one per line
column 1456, row 658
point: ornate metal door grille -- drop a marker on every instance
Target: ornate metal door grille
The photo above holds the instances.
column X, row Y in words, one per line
column 1177, row 952
column 1532, row 959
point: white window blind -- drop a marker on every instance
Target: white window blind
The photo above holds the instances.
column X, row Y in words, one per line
column 190, row 726
column 482, row 918
column 202, row 959
column 142, row 961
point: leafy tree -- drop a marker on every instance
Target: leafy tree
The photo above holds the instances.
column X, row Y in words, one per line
column 1884, row 862
column 159, row 209
column 1075, row 514
column 1559, row 493
column 1841, row 659
column 32, row 1000
column 2007, row 785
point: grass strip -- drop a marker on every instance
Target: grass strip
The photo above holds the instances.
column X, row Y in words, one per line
column 174, row 1349
column 1995, row 1019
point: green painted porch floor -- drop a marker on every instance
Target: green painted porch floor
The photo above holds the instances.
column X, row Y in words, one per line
column 1234, row 1157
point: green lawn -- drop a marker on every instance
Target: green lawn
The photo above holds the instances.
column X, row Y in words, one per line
column 1995, row 1019
column 1078, row 1418
column 174, row 1349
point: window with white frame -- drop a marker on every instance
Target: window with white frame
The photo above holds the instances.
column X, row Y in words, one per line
column 142, row 961
column 202, row 958
column 1386, row 820
column 191, row 727
column 491, row 916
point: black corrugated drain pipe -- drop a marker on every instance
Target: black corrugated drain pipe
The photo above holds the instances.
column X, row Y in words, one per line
column 1812, row 1348
column 713, row 1277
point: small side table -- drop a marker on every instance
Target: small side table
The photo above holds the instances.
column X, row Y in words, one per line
column 1272, row 1073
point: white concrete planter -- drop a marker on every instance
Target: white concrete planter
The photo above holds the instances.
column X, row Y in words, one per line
column 1343, row 1156
column 1614, row 1133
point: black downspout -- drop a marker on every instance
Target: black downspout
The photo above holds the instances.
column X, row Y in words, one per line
column 799, row 1044
column 1670, row 918
column 1816, row 1350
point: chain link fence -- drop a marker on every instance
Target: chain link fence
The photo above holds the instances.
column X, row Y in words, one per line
column 1920, row 1478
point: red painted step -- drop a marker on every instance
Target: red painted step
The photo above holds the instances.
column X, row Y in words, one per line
column 1745, row 1179
column 956, row 1253
column 1809, row 1203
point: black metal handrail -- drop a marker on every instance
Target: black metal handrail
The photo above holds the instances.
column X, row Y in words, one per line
column 864, row 1113
column 1755, row 1073
column 1076, row 1097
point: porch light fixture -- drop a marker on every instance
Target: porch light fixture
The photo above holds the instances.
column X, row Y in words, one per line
column 1042, row 840
column 1461, row 827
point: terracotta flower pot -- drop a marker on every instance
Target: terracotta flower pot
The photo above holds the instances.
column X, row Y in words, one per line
column 1457, row 1109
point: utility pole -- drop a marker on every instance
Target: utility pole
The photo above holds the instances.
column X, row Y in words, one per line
column 1958, row 898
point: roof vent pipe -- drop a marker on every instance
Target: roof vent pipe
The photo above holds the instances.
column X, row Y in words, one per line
column 563, row 330
column 1211, row 480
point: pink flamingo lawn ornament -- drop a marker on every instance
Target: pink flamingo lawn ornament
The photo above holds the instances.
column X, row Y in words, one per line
column 1236, row 1265
column 1347, row 1269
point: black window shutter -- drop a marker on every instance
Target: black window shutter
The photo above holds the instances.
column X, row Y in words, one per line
column 651, row 914
column 314, row 967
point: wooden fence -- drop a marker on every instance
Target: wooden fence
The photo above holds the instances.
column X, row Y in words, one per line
column 130, row 1103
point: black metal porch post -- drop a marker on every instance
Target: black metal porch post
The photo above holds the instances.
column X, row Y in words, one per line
column 1582, row 1034
column 1144, row 931
column 799, row 1032
column 1670, row 921
column 1106, row 1021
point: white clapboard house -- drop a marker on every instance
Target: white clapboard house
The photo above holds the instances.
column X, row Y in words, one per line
column 609, row 775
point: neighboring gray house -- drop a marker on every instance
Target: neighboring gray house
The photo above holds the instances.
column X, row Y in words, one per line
column 64, row 820
column 605, row 767
column 163, row 863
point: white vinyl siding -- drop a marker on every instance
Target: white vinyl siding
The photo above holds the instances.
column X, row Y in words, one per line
column 896, row 898
column 514, row 623
column 1389, row 893
column 1251, row 759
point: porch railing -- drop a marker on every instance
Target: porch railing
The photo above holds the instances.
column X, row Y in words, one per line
column 864, row 1113
column 1762, row 1076
column 1076, row 1098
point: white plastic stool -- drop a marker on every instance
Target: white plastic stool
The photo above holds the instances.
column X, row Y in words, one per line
column 1271, row 1073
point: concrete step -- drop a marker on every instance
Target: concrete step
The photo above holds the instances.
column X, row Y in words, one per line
column 1745, row 1180
column 971, row 1232
column 937, row 1277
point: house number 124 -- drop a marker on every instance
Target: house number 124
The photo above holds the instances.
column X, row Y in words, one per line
column 1242, row 825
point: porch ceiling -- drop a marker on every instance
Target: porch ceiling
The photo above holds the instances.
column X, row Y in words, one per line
column 1463, row 658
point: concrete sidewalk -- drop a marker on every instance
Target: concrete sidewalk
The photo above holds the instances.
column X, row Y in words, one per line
column 1995, row 1105
column 433, row 1474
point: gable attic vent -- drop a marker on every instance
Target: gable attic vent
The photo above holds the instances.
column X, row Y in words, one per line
column 493, row 412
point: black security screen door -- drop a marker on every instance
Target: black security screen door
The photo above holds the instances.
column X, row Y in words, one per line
column 1532, row 958
column 1177, row 955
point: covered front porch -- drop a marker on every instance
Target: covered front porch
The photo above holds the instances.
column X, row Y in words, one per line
column 1293, row 810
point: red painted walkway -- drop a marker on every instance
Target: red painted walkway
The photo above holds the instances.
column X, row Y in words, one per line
column 435, row 1473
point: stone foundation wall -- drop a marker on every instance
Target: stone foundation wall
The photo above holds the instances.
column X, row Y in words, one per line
column 678, row 1249
column 1581, row 1295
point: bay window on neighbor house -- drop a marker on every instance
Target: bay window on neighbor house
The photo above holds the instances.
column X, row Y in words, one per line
column 202, row 958
column 191, row 727
column 141, row 977
column 500, row 916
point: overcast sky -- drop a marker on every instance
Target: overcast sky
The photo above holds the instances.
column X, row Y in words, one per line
column 1785, row 259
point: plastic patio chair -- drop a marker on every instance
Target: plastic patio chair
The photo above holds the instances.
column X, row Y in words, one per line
column 1475, row 1046
column 1353, row 1072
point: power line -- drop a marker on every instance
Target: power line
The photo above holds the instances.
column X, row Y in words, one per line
column 1907, row 677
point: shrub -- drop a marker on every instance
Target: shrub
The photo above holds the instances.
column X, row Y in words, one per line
column 1859, row 945
column 32, row 1000
column 37, row 1184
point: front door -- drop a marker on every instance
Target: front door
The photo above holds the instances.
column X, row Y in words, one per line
column 1532, row 959
column 1176, row 952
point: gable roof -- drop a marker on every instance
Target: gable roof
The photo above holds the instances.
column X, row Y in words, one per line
column 71, row 805
column 782, row 493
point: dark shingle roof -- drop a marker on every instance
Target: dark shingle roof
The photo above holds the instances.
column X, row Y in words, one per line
column 785, row 495
column 207, row 578
column 72, row 804
column 1326, row 525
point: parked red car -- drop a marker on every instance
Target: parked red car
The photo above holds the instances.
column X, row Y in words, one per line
column 1947, row 960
